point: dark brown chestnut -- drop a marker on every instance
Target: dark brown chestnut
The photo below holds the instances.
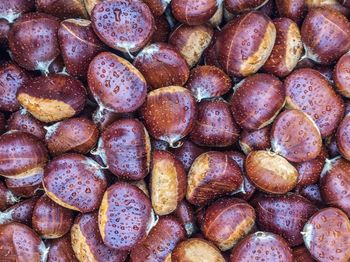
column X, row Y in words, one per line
column 343, row 137
column 168, row 182
column 21, row 212
column 257, row 100
column 124, row 215
column 61, row 249
column 342, row 75
column 157, row 7
column 162, row 30
column 62, row 8
column 345, row 3
column 162, row 65
column 51, row 220
column 79, row 45
column 75, row 182
column 13, row 9
column 212, row 174
column 292, row 9
column 116, row 84
column 301, row 254
column 214, row 125
column 255, row 140
column 52, row 98
column 312, row 193
column 307, row 90
column 185, row 213
column 169, row 113
column 125, row 25
column 238, row 6
column 4, row 32
column 27, row 186
column 7, row 198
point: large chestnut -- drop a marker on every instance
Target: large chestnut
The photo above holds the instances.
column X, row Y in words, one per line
column 212, row 174
column 125, row 25
column 62, row 8
column 116, row 84
column 75, row 182
column 61, row 249
column 255, row 140
column 169, row 113
column 168, row 182
column 257, row 100
column 124, row 215
column 21, row 212
column 52, row 98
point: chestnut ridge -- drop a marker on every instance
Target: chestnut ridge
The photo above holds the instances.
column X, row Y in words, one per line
column 152, row 130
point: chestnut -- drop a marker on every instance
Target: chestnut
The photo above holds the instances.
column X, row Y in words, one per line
column 52, row 98
column 292, row 9
column 75, row 182
column 61, row 249
column 21, row 212
column 125, row 148
column 79, row 45
column 123, row 216
column 4, row 32
column 185, row 213
column 343, row 138
column 331, row 146
column 87, row 243
column 27, row 186
column 342, row 75
column 125, row 25
column 196, row 249
column 160, row 242
column 335, row 183
column 212, row 174
column 257, row 100
column 157, row 7
column 159, row 145
column 13, row 9
column 301, row 254
column 237, row 6
column 77, row 135
column 345, row 3
column 168, row 182
column 255, row 140
column 51, row 220
column 287, row 50
column 21, row 155
column 331, row 4
column 209, row 55
column 272, row 247
column 326, row 35
column 169, row 113
column 295, row 136
column 193, row 12
column 25, row 122
column 326, row 235
column 12, row 77
column 20, row 243
column 191, row 41
column 244, row 44
column 284, row 215
column 116, row 84
column 216, row 20
column 90, row 4
column 326, row 71
column 312, row 193
column 207, row 82
column 62, row 8
column 7, row 198
column 270, row 173
column 307, row 90
column 214, row 125
column 162, row 30
column 33, row 41
column 226, row 221
column 162, row 65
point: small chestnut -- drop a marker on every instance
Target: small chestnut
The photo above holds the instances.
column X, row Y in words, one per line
column 7, row 198
column 238, row 6
column 60, row 249
column 312, row 193
column 62, row 8
column 343, row 137
column 185, row 213
column 255, row 140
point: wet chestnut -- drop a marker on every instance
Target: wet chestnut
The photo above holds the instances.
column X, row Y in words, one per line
column 270, row 172
column 284, row 215
column 325, row 34
column 342, row 75
column 52, row 98
column 271, row 246
column 62, row 8
column 331, row 4
column 79, row 45
column 13, row 9
column 157, row 7
column 214, row 125
column 343, row 138
column 312, row 193
column 226, row 221
column 33, row 41
column 125, row 148
column 292, row 9
column 87, row 243
column 116, row 84
column 61, row 249
column 193, row 12
column 7, row 198
column 51, row 220
column 20, row 243
column 75, row 182
column 255, row 140
column 257, row 100
column 208, row 81
column 301, row 254
column 160, row 242
column 162, row 65
column 196, row 249
column 125, row 25
column 21, row 212
column 21, row 155
column 244, row 44
column 307, row 90
column 326, row 235
column 191, row 41
column 12, row 77
column 162, row 30
column 169, row 113
column 237, row 6
column 168, row 182
column 212, row 174
column 185, row 213
column 77, row 135
column 123, row 216
column 27, row 186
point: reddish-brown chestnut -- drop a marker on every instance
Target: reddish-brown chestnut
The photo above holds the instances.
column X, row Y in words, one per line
column 7, row 198
column 185, row 213
column 342, row 75
column 27, row 186
column 13, row 9
column 301, row 254
column 292, row 9
column 157, row 7
column 255, row 140
column 60, row 249
column 62, row 8
column 312, row 193
column 238, row 6
column 343, row 137
column 21, row 212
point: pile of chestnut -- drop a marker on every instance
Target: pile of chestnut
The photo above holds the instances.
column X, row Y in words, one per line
column 174, row 130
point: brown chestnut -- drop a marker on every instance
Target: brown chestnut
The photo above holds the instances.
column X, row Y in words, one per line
column 21, row 212
column 342, row 75
column 60, row 249
column 27, row 186
column 7, row 198
column 255, row 140
column 238, row 6
column 157, row 7
column 4, row 32
column 343, row 137
column 62, row 8
column 331, row 4
column 168, row 182
column 75, row 182
column 185, row 213
column 301, row 254
column 292, row 9
column 162, row 30
column 312, row 193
